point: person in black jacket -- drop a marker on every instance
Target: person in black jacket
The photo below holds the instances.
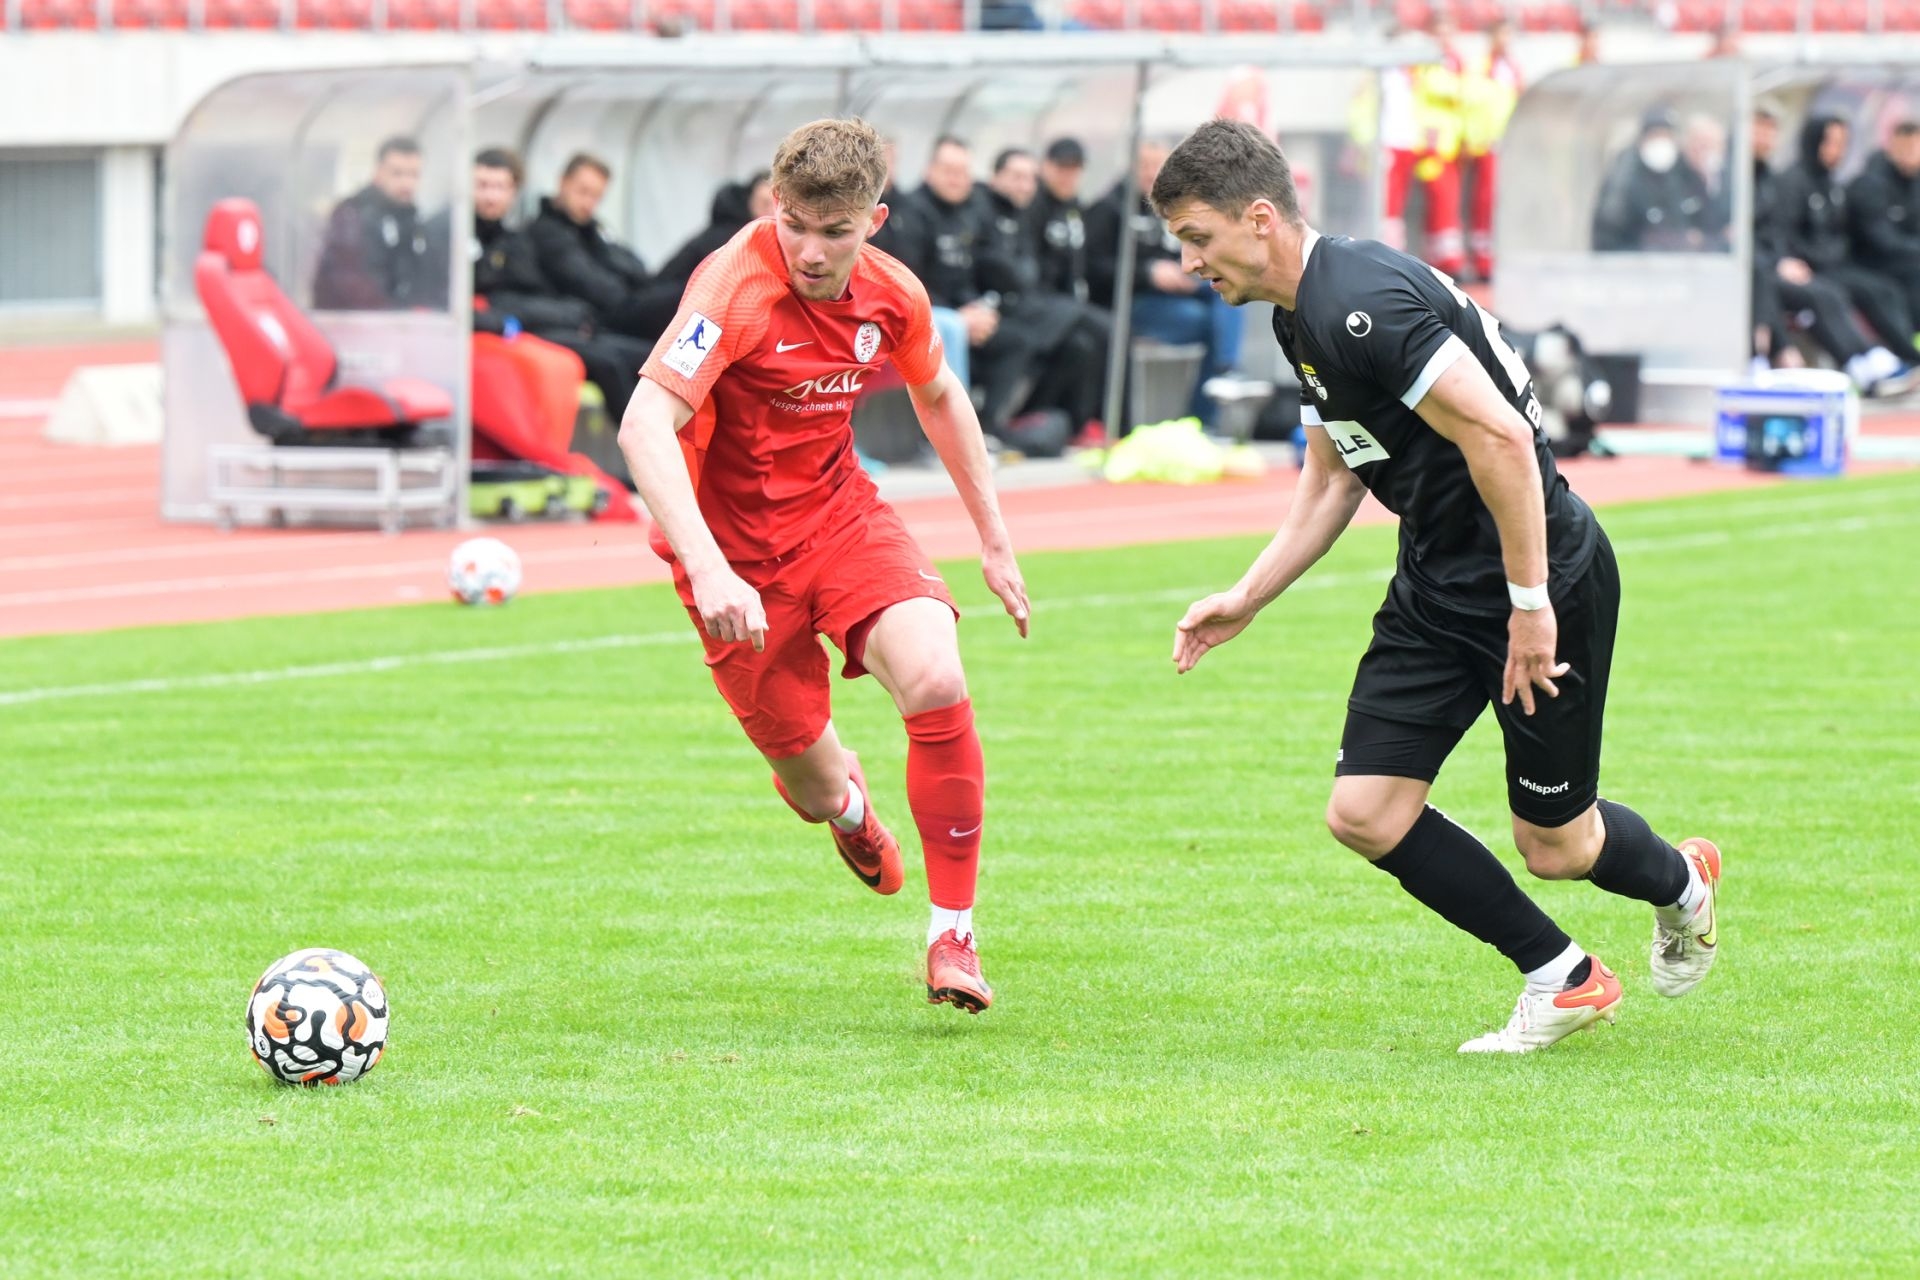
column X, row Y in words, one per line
column 1076, row 336
column 512, row 294
column 1784, row 285
column 735, row 204
column 1883, row 213
column 1810, row 222
column 1651, row 202
column 1168, row 304
column 378, row 254
column 1060, row 220
column 579, row 258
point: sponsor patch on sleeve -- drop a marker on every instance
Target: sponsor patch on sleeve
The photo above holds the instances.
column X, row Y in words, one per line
column 690, row 349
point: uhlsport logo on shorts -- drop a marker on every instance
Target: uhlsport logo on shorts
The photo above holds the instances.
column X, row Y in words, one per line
column 689, row 350
column 866, row 342
column 1535, row 787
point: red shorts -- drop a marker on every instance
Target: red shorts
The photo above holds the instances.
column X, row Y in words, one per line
column 834, row 586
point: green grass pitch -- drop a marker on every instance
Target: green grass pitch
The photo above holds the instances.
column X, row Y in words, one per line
column 646, row 1024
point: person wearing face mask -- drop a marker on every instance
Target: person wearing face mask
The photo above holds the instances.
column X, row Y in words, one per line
column 1650, row 203
column 1810, row 224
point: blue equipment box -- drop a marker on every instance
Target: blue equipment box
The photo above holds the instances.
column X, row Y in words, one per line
column 1792, row 422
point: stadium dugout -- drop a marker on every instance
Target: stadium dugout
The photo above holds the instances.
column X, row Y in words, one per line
column 673, row 119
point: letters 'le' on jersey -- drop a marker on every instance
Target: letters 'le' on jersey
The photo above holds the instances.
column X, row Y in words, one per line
column 773, row 378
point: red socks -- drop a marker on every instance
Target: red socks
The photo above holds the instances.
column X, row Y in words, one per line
column 946, row 789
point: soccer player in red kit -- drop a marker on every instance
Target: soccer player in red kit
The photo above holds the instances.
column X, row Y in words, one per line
column 740, row 438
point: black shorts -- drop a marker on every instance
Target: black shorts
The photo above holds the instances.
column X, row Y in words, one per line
column 1430, row 671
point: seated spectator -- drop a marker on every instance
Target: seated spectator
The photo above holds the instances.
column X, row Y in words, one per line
column 1784, row 285
column 510, row 290
column 378, row 254
column 1073, row 335
column 1650, row 201
column 735, row 205
column 1810, row 211
column 1703, row 148
column 1059, row 221
column 1883, row 213
column 579, row 258
column 1168, row 304
column 950, row 244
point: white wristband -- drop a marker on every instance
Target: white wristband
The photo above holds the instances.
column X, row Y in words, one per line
column 1528, row 598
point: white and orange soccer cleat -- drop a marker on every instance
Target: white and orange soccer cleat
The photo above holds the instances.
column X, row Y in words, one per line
column 870, row 852
column 953, row 974
column 1541, row 1018
column 1684, row 951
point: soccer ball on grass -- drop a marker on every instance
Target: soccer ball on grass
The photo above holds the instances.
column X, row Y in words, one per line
column 483, row 571
column 317, row 1017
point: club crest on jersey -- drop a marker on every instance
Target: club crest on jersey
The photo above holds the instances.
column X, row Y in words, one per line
column 689, row 351
column 844, row 382
column 1318, row 389
column 866, row 342
column 1359, row 323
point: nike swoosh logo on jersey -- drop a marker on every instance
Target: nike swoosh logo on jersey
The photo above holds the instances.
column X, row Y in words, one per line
column 962, row 835
column 783, row 347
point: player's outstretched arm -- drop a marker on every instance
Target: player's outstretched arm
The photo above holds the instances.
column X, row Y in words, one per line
column 729, row 609
column 1323, row 505
column 953, row 428
column 1466, row 408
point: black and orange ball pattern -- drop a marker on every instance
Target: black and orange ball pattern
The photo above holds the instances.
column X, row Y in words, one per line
column 317, row 1017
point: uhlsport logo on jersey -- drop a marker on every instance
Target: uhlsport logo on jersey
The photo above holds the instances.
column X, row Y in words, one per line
column 1359, row 323
column 842, row 382
column 689, row 350
column 866, row 342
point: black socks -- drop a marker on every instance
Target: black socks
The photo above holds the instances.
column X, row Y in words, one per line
column 1636, row 863
column 1459, row 879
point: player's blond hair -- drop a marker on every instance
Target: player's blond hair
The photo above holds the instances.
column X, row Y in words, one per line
column 831, row 164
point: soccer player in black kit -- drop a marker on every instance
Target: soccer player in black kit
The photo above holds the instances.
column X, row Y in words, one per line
column 1505, row 590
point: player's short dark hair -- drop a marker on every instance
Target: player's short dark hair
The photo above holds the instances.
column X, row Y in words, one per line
column 501, row 158
column 1008, row 156
column 586, row 160
column 1906, row 128
column 948, row 140
column 398, row 145
column 1227, row 164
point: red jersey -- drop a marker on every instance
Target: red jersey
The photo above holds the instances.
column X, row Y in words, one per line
column 772, row 378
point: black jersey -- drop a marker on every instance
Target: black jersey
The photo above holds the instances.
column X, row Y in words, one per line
column 1371, row 331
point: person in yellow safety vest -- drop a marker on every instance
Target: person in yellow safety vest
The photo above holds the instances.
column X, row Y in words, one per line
column 1491, row 87
column 1433, row 160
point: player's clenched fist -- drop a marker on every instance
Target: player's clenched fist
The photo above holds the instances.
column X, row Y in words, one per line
column 730, row 610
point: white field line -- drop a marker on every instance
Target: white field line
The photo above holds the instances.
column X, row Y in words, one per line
column 1169, row 596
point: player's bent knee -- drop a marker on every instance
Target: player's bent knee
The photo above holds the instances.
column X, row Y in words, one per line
column 1358, row 829
column 938, row 686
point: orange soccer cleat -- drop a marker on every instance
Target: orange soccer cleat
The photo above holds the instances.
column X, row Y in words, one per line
column 953, row 974
column 870, row 852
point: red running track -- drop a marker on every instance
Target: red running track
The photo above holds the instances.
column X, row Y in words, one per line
column 82, row 547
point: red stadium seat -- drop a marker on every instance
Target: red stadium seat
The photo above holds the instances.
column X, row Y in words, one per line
column 848, row 15
column 682, row 14
column 1171, row 15
column 932, row 15
column 251, row 15
column 285, row 367
column 764, row 15
column 599, row 15
column 1900, row 15
column 1248, row 15
column 1700, row 15
column 423, row 15
column 166, row 15
column 333, row 15
column 510, row 15
column 50, row 15
column 1840, row 15
column 1555, row 15
column 1770, row 15
column 1101, row 15
column 1308, row 17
